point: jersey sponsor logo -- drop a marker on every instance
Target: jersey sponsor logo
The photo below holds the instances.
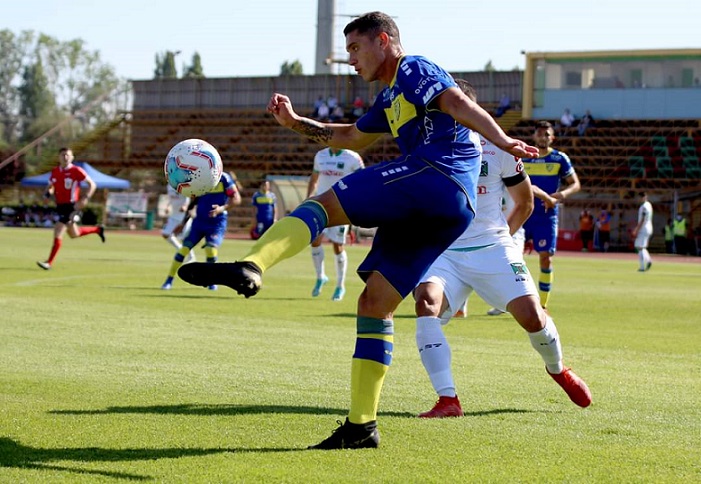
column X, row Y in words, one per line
column 482, row 190
column 331, row 173
column 405, row 68
column 428, row 129
column 421, row 84
column 484, row 168
column 519, row 268
column 432, row 90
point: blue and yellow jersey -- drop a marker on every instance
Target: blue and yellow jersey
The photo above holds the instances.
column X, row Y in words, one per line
column 404, row 109
column 546, row 173
column 265, row 205
column 220, row 195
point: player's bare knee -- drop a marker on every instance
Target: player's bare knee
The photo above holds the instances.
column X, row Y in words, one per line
column 527, row 312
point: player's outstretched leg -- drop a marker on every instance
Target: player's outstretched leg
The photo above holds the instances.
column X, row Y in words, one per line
column 351, row 436
column 243, row 277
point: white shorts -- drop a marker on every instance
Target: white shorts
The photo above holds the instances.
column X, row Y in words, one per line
column 336, row 234
column 173, row 222
column 520, row 239
column 498, row 274
column 642, row 239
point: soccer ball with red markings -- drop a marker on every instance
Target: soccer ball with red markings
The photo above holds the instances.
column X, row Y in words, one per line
column 193, row 167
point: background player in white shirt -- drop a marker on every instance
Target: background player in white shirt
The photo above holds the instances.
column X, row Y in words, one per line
column 330, row 165
column 487, row 260
column 176, row 209
column 642, row 232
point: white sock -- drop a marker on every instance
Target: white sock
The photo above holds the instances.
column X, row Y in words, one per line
column 173, row 240
column 646, row 258
column 547, row 343
column 341, row 267
column 318, row 259
column 435, row 354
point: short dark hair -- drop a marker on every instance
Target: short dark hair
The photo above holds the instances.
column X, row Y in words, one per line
column 642, row 194
column 373, row 23
column 62, row 149
column 543, row 124
column 467, row 88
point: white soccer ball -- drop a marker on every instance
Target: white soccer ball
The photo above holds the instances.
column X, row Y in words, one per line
column 193, row 167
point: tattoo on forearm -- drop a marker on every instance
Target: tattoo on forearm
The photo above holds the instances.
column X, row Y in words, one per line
column 313, row 130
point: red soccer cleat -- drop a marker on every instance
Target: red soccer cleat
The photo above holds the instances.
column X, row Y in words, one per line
column 576, row 389
column 444, row 407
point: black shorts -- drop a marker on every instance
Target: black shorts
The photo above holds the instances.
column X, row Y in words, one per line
column 64, row 211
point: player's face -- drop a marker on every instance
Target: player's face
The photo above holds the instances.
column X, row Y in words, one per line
column 543, row 137
column 65, row 157
column 365, row 55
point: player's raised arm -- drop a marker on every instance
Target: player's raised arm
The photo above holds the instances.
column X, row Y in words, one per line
column 336, row 135
column 468, row 113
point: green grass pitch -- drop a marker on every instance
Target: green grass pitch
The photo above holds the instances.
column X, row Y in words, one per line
column 106, row 378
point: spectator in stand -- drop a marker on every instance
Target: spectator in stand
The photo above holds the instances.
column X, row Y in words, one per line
column 64, row 185
column 317, row 104
column 585, row 123
column 331, row 102
column 337, row 114
column 358, row 107
column 322, row 114
column 567, row 119
column 668, row 232
column 504, row 105
column 603, row 225
column 586, row 229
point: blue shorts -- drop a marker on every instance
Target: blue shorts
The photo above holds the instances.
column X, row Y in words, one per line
column 212, row 231
column 418, row 212
column 543, row 232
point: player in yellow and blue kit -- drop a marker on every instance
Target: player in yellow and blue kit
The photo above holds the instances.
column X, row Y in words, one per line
column 209, row 224
column 547, row 172
column 420, row 202
column 265, row 203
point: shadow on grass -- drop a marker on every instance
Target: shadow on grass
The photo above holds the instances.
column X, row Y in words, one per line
column 14, row 454
column 222, row 409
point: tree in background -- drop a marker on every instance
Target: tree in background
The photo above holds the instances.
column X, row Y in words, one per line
column 44, row 83
column 37, row 103
column 12, row 52
column 194, row 71
column 165, row 65
column 291, row 69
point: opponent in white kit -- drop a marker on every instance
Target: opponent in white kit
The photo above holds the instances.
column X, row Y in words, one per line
column 487, row 260
column 176, row 209
column 330, row 165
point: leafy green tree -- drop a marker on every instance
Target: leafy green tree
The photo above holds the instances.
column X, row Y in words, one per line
column 293, row 68
column 489, row 67
column 13, row 49
column 165, row 66
column 37, row 103
column 195, row 69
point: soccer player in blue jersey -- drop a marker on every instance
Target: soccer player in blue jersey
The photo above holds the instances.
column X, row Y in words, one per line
column 547, row 172
column 209, row 224
column 265, row 203
column 420, row 202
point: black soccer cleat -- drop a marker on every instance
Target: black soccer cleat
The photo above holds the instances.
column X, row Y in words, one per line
column 351, row 436
column 243, row 277
column 101, row 233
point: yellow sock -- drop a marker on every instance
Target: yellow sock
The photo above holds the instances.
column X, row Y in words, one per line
column 371, row 360
column 212, row 253
column 175, row 265
column 285, row 238
column 544, row 285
